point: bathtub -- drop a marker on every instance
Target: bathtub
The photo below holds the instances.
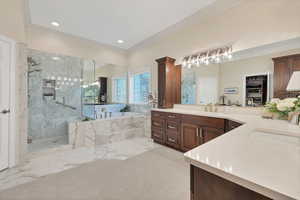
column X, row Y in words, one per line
column 119, row 126
column 114, row 115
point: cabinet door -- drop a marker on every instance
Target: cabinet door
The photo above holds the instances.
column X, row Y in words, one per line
column 281, row 77
column 296, row 64
column 190, row 134
column 208, row 133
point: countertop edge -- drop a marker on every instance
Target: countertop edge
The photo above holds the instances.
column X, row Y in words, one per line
column 240, row 181
column 228, row 176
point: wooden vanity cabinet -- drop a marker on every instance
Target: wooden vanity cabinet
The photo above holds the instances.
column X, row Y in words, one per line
column 190, row 136
column 172, row 128
column 209, row 133
column 185, row 132
column 197, row 130
column 230, row 125
column 207, row 186
column 158, row 127
column 169, row 82
column 283, row 70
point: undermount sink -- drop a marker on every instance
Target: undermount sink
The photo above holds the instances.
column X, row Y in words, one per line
column 277, row 132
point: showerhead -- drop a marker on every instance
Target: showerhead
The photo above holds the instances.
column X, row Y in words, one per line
column 32, row 62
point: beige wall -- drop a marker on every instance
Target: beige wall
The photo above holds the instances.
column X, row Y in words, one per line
column 48, row 40
column 12, row 19
column 246, row 25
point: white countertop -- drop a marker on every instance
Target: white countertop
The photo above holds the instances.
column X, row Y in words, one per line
column 262, row 155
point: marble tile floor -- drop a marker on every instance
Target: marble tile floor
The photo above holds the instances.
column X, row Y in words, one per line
column 40, row 164
column 45, row 144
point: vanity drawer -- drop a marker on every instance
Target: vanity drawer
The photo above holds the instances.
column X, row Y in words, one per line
column 173, row 116
column 156, row 114
column 173, row 139
column 158, row 123
column 157, row 135
column 172, row 126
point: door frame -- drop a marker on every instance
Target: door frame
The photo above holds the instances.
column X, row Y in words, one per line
column 12, row 96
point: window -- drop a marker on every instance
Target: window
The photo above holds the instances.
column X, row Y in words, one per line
column 139, row 88
column 119, row 90
column 90, row 93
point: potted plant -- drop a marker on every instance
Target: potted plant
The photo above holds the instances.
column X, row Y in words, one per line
column 285, row 109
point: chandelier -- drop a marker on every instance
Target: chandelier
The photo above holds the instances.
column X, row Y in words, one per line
column 212, row 56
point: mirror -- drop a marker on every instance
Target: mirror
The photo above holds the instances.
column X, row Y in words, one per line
column 245, row 80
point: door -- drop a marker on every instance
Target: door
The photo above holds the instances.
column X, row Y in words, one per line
column 190, row 134
column 208, row 134
column 5, row 56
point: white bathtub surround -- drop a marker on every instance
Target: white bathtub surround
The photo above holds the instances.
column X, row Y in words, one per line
column 55, row 160
column 103, row 131
column 262, row 155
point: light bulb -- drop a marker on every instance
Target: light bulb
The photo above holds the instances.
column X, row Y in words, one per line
column 184, row 63
column 229, row 56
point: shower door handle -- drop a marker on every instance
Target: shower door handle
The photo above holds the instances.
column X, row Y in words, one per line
column 5, row 111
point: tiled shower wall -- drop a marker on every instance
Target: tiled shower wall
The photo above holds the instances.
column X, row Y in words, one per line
column 48, row 118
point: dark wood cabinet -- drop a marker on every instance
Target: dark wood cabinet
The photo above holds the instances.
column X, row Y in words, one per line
column 230, row 125
column 185, row 132
column 207, row 186
column 169, row 82
column 190, row 136
column 283, row 70
column 208, row 133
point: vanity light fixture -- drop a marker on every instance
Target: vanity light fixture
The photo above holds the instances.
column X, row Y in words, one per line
column 120, row 41
column 212, row 56
column 55, row 23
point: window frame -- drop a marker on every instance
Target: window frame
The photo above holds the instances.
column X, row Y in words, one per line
column 113, row 95
column 131, row 84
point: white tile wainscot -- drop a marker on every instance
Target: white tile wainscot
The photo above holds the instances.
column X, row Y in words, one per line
column 103, row 131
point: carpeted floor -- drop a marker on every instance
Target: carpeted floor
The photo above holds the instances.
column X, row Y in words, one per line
column 160, row 174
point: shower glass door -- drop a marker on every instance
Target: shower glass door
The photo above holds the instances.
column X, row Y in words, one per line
column 55, row 97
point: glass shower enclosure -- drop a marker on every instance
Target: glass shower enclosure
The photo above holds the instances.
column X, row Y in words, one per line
column 56, row 90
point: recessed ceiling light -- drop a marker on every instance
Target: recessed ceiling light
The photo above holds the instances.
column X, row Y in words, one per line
column 120, row 41
column 55, row 23
column 56, row 58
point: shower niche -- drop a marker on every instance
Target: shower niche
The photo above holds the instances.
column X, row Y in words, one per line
column 49, row 88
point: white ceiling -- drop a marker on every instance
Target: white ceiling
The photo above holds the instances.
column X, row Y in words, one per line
column 107, row 21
